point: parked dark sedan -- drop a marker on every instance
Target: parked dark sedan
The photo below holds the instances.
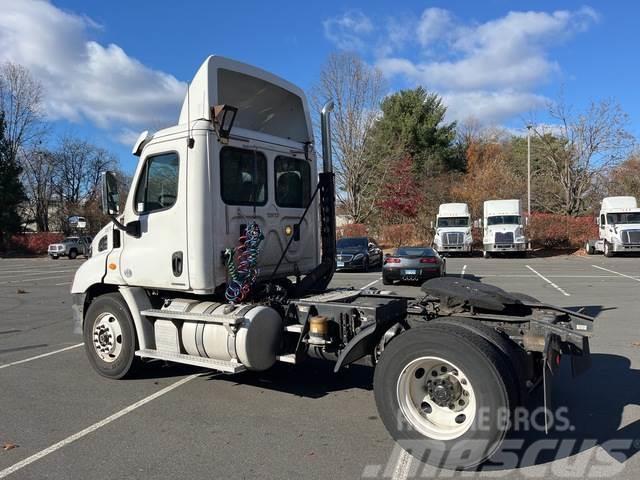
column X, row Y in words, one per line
column 357, row 253
column 413, row 264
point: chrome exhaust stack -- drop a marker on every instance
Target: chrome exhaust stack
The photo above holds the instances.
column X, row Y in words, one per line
column 325, row 128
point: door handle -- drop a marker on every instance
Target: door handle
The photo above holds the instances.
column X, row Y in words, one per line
column 176, row 264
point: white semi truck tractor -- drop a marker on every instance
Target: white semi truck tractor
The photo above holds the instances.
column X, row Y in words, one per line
column 503, row 229
column 618, row 227
column 453, row 229
column 222, row 255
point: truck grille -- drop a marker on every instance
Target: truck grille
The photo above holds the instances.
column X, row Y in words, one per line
column 452, row 238
column 630, row 236
column 504, row 237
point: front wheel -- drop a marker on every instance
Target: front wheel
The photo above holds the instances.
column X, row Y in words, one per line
column 608, row 251
column 109, row 336
column 443, row 395
column 73, row 254
column 589, row 248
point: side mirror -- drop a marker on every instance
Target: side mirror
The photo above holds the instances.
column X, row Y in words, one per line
column 431, row 223
column 223, row 117
column 110, row 195
column 526, row 220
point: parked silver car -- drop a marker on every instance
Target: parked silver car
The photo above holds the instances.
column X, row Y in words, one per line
column 413, row 264
column 70, row 247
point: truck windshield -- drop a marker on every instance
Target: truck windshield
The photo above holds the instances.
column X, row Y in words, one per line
column 621, row 218
column 444, row 222
column 504, row 220
column 352, row 243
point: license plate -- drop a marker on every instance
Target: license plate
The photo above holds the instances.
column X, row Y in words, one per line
column 340, row 264
column 410, row 272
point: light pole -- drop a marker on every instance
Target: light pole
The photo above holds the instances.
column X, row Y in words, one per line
column 529, row 170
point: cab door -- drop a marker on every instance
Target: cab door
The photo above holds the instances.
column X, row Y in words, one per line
column 157, row 258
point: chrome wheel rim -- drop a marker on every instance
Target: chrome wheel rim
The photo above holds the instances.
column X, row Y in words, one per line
column 107, row 337
column 436, row 398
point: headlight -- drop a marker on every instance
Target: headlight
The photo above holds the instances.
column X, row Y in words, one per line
column 358, row 256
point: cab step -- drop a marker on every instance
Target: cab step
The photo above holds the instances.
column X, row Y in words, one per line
column 221, row 365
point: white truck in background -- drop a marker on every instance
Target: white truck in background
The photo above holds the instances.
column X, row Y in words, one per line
column 503, row 229
column 618, row 227
column 453, row 229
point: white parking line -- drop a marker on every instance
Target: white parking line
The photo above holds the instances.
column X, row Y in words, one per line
column 617, row 273
column 370, row 283
column 18, row 362
column 549, row 282
column 401, row 472
column 82, row 433
column 63, row 283
column 464, row 268
column 33, row 279
column 22, row 273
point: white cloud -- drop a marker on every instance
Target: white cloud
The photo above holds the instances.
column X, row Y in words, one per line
column 82, row 78
column 490, row 108
column 434, row 24
column 346, row 31
column 487, row 70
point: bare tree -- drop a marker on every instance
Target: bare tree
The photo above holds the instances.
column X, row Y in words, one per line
column 21, row 102
column 79, row 165
column 357, row 90
column 39, row 180
column 578, row 150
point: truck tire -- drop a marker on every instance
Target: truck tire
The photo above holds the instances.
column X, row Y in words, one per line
column 486, row 254
column 425, row 368
column 607, row 249
column 73, row 253
column 514, row 356
column 109, row 337
column 589, row 248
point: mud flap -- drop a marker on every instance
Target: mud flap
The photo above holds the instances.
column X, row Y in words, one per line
column 551, row 358
column 359, row 346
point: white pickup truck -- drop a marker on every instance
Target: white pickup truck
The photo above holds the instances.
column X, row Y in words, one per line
column 619, row 227
column 70, row 247
column 453, row 229
column 503, row 227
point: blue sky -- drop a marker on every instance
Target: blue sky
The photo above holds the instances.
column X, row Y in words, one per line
column 114, row 68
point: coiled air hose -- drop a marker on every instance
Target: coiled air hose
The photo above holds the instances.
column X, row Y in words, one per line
column 242, row 263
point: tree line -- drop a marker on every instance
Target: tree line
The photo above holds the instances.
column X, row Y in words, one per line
column 397, row 157
column 44, row 178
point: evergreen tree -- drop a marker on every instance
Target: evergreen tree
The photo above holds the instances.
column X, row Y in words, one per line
column 412, row 124
column 11, row 191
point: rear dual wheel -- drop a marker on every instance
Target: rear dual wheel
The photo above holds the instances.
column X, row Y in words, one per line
column 445, row 395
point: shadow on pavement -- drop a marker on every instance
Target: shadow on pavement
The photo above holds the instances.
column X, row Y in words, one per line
column 312, row 379
column 590, row 409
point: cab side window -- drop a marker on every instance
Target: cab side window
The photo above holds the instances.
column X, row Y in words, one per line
column 293, row 182
column 158, row 184
column 243, row 177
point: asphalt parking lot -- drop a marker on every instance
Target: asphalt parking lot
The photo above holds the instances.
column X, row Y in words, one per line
column 66, row 422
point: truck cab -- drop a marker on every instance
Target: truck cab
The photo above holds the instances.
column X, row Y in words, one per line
column 618, row 227
column 453, row 229
column 503, row 229
column 197, row 187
